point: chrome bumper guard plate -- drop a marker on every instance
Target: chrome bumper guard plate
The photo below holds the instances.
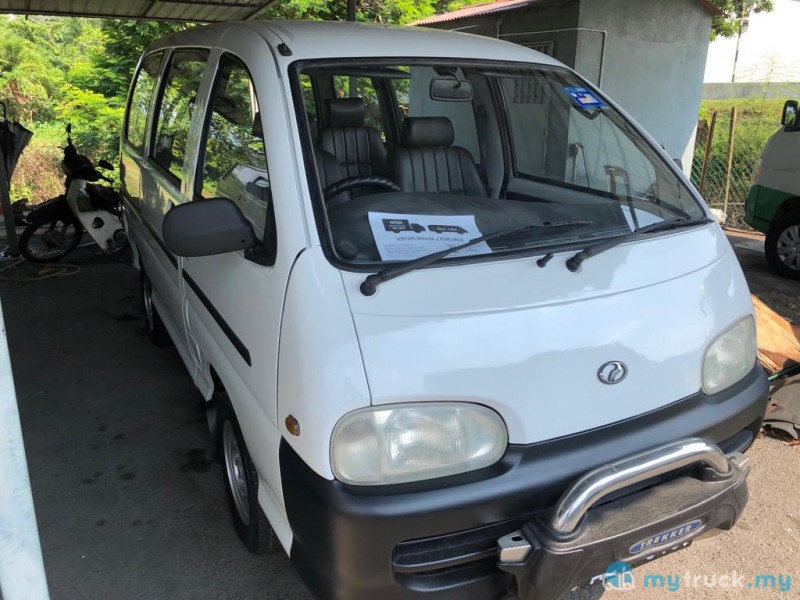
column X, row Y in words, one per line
column 700, row 490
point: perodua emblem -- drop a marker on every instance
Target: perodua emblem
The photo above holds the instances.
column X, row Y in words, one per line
column 612, row 372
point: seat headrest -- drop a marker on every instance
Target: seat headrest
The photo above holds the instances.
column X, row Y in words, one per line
column 422, row 132
column 345, row 112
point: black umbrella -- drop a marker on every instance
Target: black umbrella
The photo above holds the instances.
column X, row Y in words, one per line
column 13, row 139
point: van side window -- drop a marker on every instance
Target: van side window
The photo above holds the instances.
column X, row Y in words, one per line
column 234, row 163
column 178, row 100
column 140, row 101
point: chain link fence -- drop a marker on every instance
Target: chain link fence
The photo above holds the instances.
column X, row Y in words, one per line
column 730, row 137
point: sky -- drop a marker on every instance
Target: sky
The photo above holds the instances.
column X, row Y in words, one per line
column 769, row 50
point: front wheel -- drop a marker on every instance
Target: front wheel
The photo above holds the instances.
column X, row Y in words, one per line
column 782, row 245
column 49, row 239
column 241, row 483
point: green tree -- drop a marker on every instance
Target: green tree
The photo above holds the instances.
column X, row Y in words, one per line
column 377, row 11
column 733, row 12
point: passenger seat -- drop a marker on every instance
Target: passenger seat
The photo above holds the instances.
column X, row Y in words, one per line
column 357, row 147
column 427, row 161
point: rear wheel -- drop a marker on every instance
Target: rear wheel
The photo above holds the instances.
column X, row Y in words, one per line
column 49, row 239
column 241, row 483
column 782, row 245
column 156, row 331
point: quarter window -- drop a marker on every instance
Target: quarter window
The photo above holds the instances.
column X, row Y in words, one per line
column 178, row 101
column 140, row 100
column 234, row 163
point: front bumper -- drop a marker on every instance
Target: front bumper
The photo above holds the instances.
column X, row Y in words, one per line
column 553, row 553
column 439, row 538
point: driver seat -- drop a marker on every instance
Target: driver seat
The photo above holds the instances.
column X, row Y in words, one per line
column 357, row 147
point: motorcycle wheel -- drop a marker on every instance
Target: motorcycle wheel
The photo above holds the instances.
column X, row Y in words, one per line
column 50, row 239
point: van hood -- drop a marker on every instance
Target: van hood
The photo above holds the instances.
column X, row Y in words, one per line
column 529, row 342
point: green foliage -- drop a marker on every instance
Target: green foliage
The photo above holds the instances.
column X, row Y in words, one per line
column 756, row 120
column 397, row 12
column 727, row 25
column 55, row 71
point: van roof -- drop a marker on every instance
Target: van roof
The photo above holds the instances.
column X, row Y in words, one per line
column 339, row 39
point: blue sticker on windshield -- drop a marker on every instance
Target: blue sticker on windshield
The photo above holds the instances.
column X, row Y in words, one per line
column 584, row 98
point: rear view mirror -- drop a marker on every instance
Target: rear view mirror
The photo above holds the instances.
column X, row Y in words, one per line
column 789, row 116
column 451, row 89
column 206, row 228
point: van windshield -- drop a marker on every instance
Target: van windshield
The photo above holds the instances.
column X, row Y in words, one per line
column 415, row 158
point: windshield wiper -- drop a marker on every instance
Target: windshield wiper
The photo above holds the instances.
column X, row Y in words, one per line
column 370, row 284
column 574, row 263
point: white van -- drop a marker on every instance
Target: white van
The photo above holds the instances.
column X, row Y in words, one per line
column 463, row 328
column 773, row 203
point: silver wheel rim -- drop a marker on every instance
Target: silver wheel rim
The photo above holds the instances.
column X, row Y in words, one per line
column 235, row 471
column 148, row 303
column 789, row 247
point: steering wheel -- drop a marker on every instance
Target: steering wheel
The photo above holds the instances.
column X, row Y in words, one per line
column 344, row 185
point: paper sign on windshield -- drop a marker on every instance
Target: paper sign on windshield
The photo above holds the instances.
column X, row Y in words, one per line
column 406, row 237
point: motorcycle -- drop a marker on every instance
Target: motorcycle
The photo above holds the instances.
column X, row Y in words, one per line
column 57, row 226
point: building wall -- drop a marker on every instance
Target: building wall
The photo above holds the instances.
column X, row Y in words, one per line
column 649, row 55
column 767, row 52
column 655, row 58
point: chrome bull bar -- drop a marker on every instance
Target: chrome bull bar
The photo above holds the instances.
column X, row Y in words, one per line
column 599, row 483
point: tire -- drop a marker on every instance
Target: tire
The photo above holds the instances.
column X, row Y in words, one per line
column 51, row 238
column 241, row 483
column 156, row 331
column 782, row 245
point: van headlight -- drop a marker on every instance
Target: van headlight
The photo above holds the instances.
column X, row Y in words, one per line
column 730, row 357
column 402, row 443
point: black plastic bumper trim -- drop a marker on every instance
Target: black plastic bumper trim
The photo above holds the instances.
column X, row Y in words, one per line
column 345, row 538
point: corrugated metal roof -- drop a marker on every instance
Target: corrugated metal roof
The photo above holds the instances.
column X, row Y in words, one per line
column 505, row 5
column 208, row 11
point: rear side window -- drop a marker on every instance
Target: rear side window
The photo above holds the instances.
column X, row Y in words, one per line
column 178, row 101
column 234, row 163
column 140, row 100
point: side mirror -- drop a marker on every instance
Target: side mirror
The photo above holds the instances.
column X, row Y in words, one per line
column 678, row 162
column 789, row 116
column 104, row 164
column 206, row 228
column 69, row 128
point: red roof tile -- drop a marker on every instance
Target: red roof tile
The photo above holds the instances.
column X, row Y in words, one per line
column 504, row 5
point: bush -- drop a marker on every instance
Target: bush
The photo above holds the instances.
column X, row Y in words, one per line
column 38, row 176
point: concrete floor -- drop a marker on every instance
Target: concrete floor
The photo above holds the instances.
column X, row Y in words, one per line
column 130, row 501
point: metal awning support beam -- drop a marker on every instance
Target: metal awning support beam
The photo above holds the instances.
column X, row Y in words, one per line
column 351, row 10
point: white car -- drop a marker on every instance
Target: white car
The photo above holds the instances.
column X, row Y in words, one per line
column 462, row 326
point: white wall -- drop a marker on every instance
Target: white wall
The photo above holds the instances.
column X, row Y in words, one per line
column 768, row 50
column 655, row 57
